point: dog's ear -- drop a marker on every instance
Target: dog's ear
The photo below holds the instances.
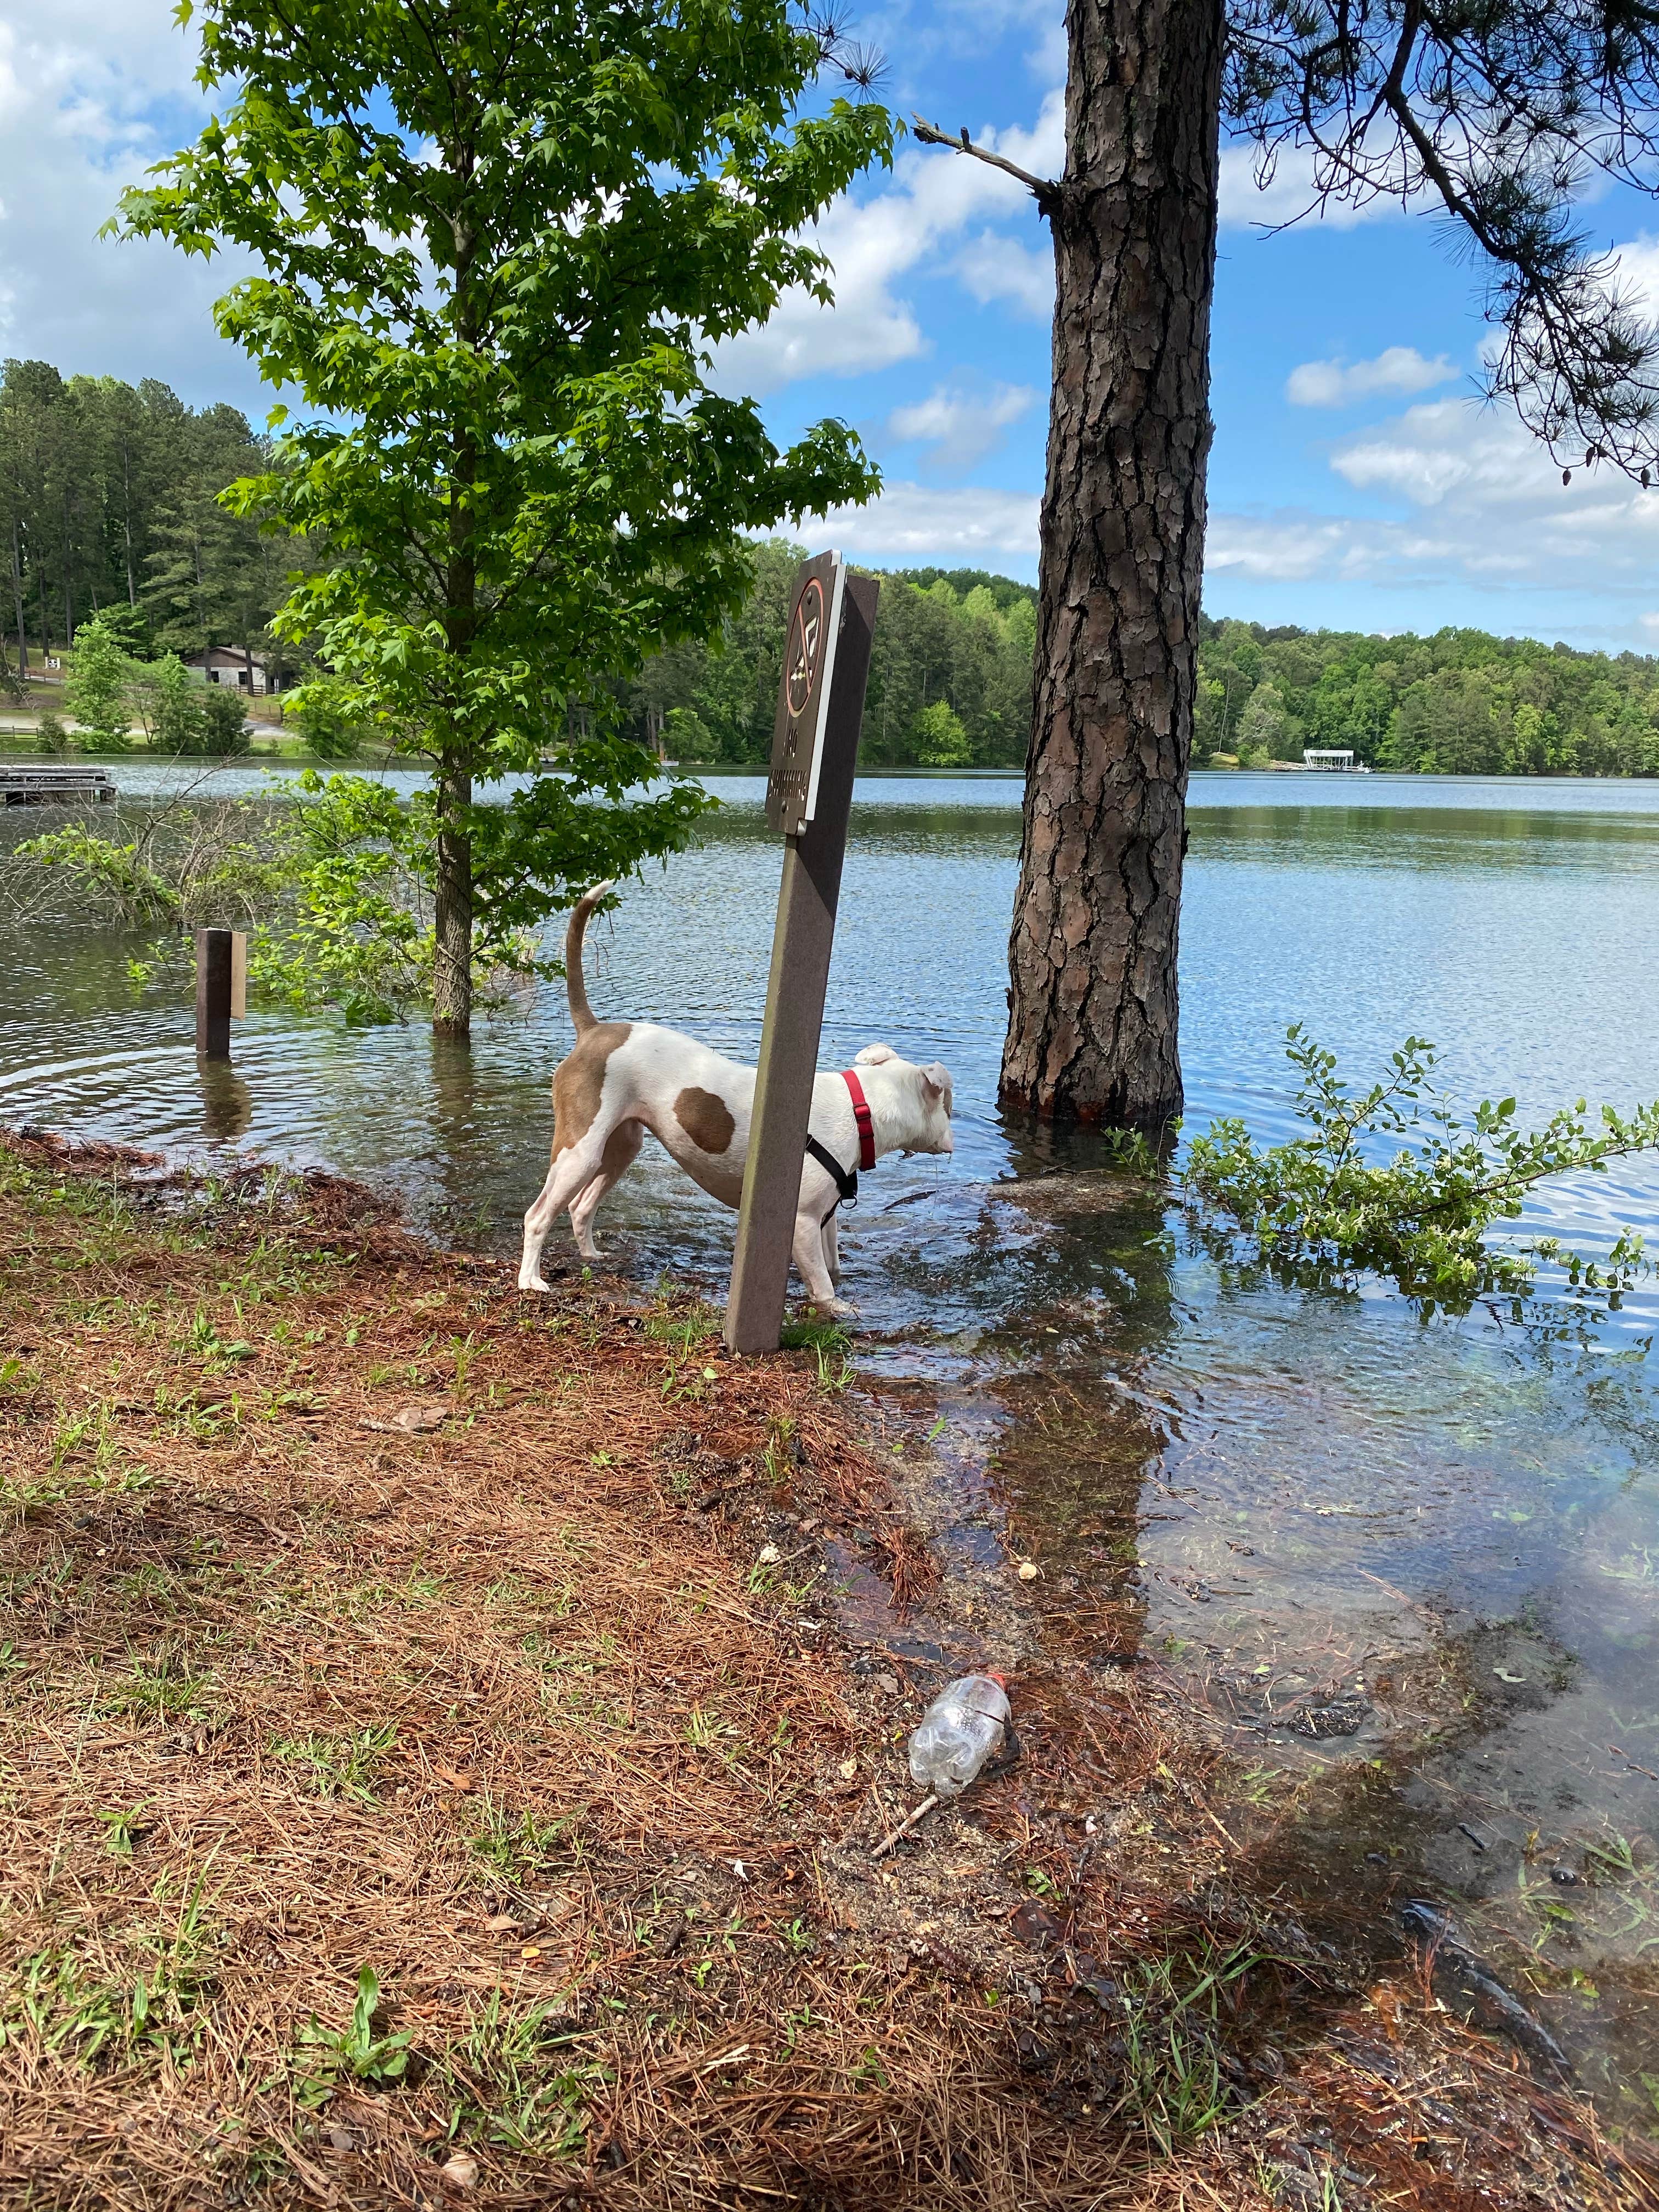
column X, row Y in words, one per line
column 874, row 1054
column 936, row 1082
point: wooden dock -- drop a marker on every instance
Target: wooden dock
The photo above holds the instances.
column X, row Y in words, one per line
column 49, row 785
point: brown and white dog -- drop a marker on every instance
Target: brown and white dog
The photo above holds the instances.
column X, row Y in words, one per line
column 624, row 1077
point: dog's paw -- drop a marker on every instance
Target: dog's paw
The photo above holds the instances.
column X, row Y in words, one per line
column 533, row 1283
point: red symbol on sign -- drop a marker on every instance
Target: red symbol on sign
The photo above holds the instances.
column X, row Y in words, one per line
column 806, row 645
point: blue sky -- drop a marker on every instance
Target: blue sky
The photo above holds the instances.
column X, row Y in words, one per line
column 1355, row 481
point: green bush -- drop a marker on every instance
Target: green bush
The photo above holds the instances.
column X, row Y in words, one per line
column 1394, row 1181
column 941, row 737
column 95, row 691
column 168, row 700
column 326, row 722
column 687, row 736
column 224, row 717
column 53, row 737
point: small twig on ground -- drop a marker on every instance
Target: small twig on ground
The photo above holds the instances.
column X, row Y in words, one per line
column 905, row 1824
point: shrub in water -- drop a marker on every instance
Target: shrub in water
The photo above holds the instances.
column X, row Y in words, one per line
column 1393, row 1181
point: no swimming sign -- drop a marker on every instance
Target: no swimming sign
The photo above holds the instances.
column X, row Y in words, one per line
column 809, row 661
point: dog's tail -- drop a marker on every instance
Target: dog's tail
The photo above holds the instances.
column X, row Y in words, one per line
column 581, row 1013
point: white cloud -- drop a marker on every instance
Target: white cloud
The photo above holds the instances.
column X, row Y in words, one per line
column 1286, row 194
column 994, row 266
column 1398, row 369
column 1047, row 59
column 949, row 29
column 1484, row 506
column 962, row 426
column 910, row 521
column 872, row 243
column 1636, row 272
column 91, row 92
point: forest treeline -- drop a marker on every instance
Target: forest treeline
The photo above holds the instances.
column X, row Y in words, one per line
column 108, row 506
column 950, row 677
column 1461, row 703
column 949, row 672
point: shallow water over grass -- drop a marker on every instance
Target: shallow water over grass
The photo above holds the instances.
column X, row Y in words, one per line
column 1413, row 1570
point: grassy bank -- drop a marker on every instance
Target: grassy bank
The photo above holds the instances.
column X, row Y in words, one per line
column 431, row 1772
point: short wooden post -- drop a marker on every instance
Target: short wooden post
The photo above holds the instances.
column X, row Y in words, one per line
column 802, row 942
column 213, row 977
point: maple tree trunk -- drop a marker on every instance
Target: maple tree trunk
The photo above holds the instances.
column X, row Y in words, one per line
column 1092, row 1019
column 451, row 976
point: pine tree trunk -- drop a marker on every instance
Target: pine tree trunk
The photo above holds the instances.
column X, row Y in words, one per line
column 452, row 981
column 1093, row 1008
column 17, row 602
column 126, row 520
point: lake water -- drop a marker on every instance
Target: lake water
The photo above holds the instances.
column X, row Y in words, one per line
column 1288, row 1500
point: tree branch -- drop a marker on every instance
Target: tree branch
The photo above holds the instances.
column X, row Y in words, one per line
column 1046, row 190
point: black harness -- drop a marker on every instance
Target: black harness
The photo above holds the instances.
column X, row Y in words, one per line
column 845, row 1179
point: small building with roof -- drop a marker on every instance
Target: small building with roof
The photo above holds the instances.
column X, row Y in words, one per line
column 236, row 668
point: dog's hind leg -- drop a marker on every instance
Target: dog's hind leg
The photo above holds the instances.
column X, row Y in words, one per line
column 621, row 1151
column 571, row 1171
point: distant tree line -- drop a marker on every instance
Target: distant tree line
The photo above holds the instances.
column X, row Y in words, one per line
column 1461, row 703
column 950, row 687
column 949, row 675
column 109, row 508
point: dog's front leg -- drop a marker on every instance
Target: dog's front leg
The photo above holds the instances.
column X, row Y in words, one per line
column 809, row 1264
column 832, row 1250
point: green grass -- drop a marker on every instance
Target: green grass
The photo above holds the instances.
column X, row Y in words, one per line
column 338, row 2057
column 164, row 1688
column 151, row 2010
column 806, row 1330
column 517, row 2080
column 1173, row 2085
column 514, row 1848
column 338, row 1765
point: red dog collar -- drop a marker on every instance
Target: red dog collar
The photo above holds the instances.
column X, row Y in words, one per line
column 862, row 1115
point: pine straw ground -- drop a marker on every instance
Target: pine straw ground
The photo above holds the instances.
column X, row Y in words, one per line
column 360, row 1613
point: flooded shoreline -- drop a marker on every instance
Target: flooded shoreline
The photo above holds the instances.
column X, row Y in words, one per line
column 1407, row 1573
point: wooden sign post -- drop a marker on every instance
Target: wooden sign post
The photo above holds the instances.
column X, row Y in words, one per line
column 221, row 988
column 809, row 798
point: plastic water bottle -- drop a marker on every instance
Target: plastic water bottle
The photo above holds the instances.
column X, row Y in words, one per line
column 960, row 1730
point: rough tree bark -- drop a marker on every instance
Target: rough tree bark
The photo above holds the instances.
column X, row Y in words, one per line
column 1093, row 1007
column 452, row 974
column 452, row 978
